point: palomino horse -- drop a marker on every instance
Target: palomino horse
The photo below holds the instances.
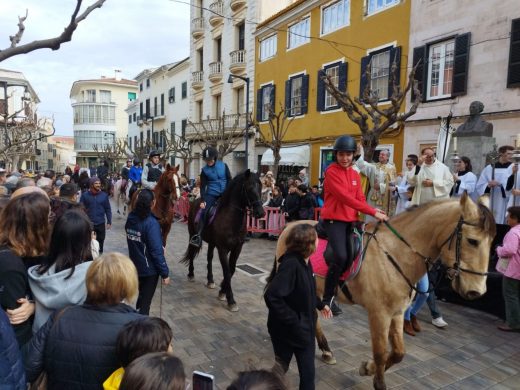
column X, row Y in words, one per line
column 459, row 233
column 120, row 196
column 227, row 231
column 166, row 193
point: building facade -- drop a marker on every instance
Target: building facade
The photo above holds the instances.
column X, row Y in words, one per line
column 337, row 38
column 63, row 152
column 99, row 117
column 464, row 57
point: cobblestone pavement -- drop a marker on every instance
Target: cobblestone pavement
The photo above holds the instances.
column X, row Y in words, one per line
column 469, row 354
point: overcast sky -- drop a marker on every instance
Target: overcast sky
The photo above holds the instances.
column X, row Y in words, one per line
column 130, row 35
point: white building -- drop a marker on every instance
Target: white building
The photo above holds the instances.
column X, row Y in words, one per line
column 465, row 56
column 99, row 115
column 63, row 150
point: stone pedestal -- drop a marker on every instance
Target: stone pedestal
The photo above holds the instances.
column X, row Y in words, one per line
column 476, row 148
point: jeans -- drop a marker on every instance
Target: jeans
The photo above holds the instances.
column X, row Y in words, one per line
column 100, row 235
column 511, row 292
column 420, row 298
column 432, row 304
column 147, row 286
column 304, row 359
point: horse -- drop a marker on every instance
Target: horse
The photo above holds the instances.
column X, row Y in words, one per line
column 166, row 192
column 227, row 231
column 397, row 253
column 120, row 195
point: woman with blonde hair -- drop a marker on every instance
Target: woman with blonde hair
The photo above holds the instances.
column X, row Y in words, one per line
column 76, row 346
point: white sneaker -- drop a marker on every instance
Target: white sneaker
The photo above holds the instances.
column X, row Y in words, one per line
column 439, row 322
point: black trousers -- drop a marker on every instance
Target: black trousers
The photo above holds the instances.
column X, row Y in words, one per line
column 147, row 286
column 284, row 352
column 339, row 235
column 100, row 235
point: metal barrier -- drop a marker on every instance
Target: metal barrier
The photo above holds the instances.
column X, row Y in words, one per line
column 272, row 223
column 181, row 208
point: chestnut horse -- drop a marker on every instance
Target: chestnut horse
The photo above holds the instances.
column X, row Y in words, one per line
column 456, row 232
column 227, row 231
column 166, row 192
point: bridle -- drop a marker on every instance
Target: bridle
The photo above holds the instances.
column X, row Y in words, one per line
column 250, row 204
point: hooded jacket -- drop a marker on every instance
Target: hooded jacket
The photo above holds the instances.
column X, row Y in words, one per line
column 53, row 291
column 12, row 374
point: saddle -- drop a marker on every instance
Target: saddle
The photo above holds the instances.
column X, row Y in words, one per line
column 209, row 215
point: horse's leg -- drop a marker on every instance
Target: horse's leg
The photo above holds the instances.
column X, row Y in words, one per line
column 211, row 282
column 379, row 326
column 233, row 258
column 225, row 286
column 396, row 341
column 323, row 345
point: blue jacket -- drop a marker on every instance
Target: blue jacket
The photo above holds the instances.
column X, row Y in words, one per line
column 12, row 372
column 135, row 174
column 145, row 245
column 214, row 179
column 97, row 206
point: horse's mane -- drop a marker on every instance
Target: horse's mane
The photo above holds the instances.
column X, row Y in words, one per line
column 230, row 190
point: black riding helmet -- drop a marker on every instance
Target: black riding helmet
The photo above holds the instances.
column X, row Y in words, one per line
column 209, row 154
column 345, row 143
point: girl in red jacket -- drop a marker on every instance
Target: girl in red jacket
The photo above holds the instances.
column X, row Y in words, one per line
column 343, row 200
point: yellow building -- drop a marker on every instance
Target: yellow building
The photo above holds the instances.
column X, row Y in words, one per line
column 336, row 37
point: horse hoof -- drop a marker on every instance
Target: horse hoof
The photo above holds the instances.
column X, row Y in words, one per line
column 328, row 358
column 233, row 307
column 221, row 297
column 211, row 285
column 363, row 370
column 191, row 278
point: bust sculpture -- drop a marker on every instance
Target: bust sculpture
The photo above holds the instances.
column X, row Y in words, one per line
column 475, row 125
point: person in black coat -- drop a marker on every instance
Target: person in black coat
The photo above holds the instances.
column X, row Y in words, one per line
column 292, row 204
column 291, row 298
column 307, row 203
column 76, row 347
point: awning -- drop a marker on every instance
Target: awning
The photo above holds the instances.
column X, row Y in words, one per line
column 296, row 155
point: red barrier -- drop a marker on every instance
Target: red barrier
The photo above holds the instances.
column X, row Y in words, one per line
column 272, row 223
column 181, row 208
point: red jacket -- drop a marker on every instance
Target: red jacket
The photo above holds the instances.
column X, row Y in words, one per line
column 343, row 195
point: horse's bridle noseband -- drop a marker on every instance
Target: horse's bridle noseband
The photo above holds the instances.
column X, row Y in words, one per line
column 250, row 204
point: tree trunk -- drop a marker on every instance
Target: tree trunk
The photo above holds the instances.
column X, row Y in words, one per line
column 369, row 143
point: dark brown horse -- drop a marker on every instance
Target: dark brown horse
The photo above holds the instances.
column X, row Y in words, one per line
column 459, row 233
column 227, row 231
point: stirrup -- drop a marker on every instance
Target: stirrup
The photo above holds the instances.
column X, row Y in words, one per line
column 196, row 240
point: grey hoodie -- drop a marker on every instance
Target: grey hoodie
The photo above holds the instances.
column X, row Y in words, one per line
column 52, row 291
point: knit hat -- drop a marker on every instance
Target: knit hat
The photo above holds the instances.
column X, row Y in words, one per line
column 92, row 180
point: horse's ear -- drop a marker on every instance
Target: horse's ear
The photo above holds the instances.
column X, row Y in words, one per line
column 469, row 208
column 484, row 200
column 168, row 167
column 177, row 167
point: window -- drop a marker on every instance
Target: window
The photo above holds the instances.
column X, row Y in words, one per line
column 132, row 96
column 184, row 91
column 172, row 128
column 338, row 75
column 141, row 110
column 147, row 110
column 381, row 79
column 162, row 104
column 129, row 118
column 155, row 106
column 331, row 72
column 91, row 96
column 442, row 68
column 147, row 83
column 140, row 86
column 299, row 33
column 513, row 69
column 265, row 102
column 171, row 95
column 378, row 5
column 134, row 116
column 335, row 16
column 268, row 47
column 241, row 31
column 105, row 96
column 130, row 142
column 184, row 122
column 296, row 95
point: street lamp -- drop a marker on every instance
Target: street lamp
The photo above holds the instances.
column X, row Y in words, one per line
column 246, row 79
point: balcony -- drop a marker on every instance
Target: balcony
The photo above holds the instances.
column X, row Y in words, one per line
column 197, row 27
column 238, row 60
column 237, row 4
column 215, row 71
column 197, row 79
column 216, row 13
column 233, row 124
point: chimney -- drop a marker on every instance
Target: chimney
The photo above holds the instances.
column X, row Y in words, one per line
column 117, row 73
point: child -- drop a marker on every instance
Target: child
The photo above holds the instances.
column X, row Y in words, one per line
column 137, row 338
column 509, row 266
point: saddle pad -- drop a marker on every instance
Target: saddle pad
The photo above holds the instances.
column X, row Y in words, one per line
column 320, row 267
column 212, row 212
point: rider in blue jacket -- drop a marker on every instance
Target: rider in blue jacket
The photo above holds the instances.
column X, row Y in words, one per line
column 135, row 178
column 214, row 178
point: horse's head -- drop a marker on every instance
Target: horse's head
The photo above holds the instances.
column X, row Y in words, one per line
column 169, row 182
column 252, row 188
column 466, row 252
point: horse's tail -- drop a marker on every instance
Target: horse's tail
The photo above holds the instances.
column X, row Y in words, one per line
column 190, row 254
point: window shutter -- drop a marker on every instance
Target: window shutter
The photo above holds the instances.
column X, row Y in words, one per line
column 513, row 69
column 259, row 105
column 343, row 76
column 461, row 62
column 320, row 95
column 272, row 100
column 305, row 93
column 395, row 55
column 363, row 77
column 419, row 57
column 288, row 107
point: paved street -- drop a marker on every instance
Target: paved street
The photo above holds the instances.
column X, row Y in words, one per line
column 470, row 354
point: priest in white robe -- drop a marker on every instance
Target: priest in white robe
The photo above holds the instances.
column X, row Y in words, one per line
column 433, row 182
column 494, row 182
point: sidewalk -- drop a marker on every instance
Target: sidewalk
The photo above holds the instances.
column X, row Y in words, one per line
column 469, row 354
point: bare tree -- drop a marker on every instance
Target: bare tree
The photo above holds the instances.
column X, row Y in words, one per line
column 50, row 43
column 373, row 120
column 179, row 147
column 111, row 153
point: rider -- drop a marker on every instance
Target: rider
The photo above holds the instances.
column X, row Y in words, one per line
column 134, row 176
column 343, row 200
column 214, row 178
column 125, row 171
column 152, row 171
column 102, row 174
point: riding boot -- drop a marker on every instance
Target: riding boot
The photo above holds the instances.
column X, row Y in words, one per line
column 331, row 283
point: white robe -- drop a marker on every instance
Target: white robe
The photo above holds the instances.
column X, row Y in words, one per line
column 468, row 183
column 402, row 189
column 498, row 201
column 514, row 201
column 442, row 180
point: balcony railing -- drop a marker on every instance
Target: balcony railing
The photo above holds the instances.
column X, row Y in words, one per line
column 238, row 60
column 197, row 79
column 197, row 27
column 233, row 123
column 236, row 4
column 215, row 71
column 216, row 13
